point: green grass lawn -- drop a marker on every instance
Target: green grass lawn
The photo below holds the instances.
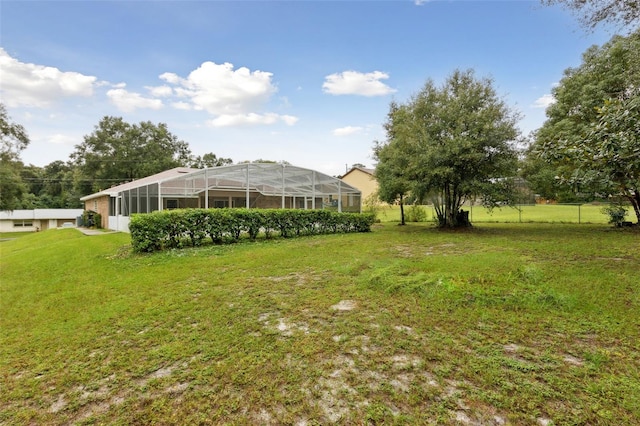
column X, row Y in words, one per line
column 12, row 235
column 499, row 324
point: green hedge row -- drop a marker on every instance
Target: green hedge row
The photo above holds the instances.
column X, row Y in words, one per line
column 176, row 228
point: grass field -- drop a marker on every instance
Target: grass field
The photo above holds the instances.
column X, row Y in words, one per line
column 538, row 213
column 518, row 324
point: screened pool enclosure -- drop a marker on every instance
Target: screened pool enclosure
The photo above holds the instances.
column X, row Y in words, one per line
column 250, row 185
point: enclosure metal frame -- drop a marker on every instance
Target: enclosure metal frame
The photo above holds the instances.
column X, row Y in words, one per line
column 296, row 185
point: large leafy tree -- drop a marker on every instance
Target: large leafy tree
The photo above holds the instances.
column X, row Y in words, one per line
column 591, row 132
column 118, row 152
column 391, row 170
column 13, row 137
column 593, row 12
column 542, row 179
column 459, row 144
column 13, row 140
column 611, row 150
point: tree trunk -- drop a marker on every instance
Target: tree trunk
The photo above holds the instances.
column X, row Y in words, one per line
column 439, row 208
column 449, row 208
column 401, row 211
column 635, row 202
column 463, row 218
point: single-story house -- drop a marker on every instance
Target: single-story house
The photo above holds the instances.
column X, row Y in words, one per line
column 248, row 185
column 38, row 219
column 363, row 179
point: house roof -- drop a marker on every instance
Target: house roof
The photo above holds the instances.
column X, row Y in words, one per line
column 42, row 214
column 362, row 169
column 158, row 177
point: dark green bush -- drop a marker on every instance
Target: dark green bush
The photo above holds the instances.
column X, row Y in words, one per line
column 91, row 219
column 175, row 228
column 148, row 231
column 616, row 213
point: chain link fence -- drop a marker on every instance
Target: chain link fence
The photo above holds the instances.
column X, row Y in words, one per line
column 549, row 213
column 521, row 213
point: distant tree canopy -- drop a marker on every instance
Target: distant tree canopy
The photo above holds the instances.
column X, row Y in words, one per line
column 118, row 152
column 590, row 13
column 209, row 160
column 450, row 144
column 14, row 140
column 115, row 152
column 261, row 160
column 591, row 136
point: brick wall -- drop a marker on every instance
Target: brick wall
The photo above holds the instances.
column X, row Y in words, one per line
column 99, row 205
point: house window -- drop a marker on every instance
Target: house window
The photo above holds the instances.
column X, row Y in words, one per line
column 22, row 223
column 172, row 204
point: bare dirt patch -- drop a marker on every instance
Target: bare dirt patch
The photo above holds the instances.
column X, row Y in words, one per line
column 299, row 278
column 511, row 348
column 344, row 305
column 403, row 362
column 572, row 360
column 58, row 405
column 405, row 329
column 177, row 388
column 282, row 325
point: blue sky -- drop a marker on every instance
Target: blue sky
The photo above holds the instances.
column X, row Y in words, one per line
column 308, row 82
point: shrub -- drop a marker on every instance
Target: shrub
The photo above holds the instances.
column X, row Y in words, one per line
column 195, row 222
column 616, row 213
column 147, row 232
column 90, row 219
column 416, row 213
column 173, row 228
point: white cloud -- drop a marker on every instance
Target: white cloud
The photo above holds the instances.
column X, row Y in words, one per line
column 160, row 91
column 228, row 120
column 544, row 101
column 221, row 90
column 182, row 105
column 235, row 97
column 170, row 77
column 346, row 131
column 60, row 139
column 420, row 2
column 39, row 86
column 289, row 120
column 357, row 83
column 129, row 101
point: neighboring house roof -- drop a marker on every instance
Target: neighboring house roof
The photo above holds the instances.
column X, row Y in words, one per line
column 158, row 177
column 41, row 214
column 362, row 169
